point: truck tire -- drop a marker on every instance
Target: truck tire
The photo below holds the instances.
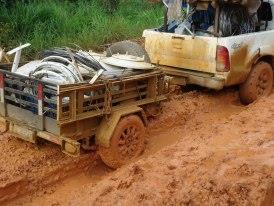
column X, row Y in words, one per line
column 127, row 142
column 128, row 47
column 259, row 83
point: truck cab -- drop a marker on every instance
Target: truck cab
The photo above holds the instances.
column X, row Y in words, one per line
column 215, row 58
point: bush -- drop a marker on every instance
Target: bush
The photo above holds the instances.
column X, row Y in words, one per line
column 111, row 5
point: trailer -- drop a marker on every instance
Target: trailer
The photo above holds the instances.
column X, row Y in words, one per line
column 109, row 115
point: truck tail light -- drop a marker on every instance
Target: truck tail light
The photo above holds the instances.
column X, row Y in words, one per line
column 223, row 59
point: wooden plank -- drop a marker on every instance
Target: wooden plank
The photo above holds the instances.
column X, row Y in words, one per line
column 80, row 98
column 73, row 106
column 128, row 97
column 93, row 114
column 97, row 106
column 68, row 88
column 152, row 87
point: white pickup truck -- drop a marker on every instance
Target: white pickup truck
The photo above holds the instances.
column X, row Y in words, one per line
column 214, row 61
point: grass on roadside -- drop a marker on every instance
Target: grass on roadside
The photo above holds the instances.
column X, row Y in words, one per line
column 86, row 23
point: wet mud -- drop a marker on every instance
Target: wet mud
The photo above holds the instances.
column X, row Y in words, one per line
column 205, row 149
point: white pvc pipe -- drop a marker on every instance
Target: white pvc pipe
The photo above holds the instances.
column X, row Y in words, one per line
column 17, row 51
column 53, row 75
column 75, row 71
column 60, row 68
column 16, row 61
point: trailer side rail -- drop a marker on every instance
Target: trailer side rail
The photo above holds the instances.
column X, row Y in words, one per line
column 78, row 102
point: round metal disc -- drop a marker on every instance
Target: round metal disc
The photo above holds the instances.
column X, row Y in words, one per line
column 128, row 61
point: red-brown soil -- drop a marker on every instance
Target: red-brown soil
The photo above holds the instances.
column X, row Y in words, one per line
column 25, row 167
column 205, row 149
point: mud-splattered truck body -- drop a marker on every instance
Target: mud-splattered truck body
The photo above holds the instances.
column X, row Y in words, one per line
column 212, row 61
column 76, row 116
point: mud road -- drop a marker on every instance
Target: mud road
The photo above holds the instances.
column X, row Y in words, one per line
column 206, row 148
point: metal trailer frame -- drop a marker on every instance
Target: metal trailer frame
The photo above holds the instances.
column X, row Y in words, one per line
column 74, row 115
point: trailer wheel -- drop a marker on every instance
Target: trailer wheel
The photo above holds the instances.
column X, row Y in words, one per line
column 258, row 84
column 127, row 142
column 128, row 47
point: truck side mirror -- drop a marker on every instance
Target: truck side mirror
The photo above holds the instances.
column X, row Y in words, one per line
column 265, row 12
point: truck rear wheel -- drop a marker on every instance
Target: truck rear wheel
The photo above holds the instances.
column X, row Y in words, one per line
column 258, row 84
column 127, row 142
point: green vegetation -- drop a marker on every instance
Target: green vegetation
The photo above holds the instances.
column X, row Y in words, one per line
column 85, row 23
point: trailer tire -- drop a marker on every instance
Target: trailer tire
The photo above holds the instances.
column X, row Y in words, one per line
column 127, row 142
column 258, row 84
column 128, row 47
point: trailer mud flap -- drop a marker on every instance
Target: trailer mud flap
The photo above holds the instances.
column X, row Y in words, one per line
column 108, row 124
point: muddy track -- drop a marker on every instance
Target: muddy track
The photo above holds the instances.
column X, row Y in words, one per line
column 25, row 167
column 224, row 156
column 24, row 185
column 183, row 116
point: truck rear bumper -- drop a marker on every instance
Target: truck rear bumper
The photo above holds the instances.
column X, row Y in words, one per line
column 183, row 77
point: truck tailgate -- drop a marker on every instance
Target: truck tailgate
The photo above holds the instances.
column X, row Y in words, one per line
column 182, row 51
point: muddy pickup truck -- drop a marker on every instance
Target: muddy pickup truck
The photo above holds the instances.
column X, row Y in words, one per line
column 213, row 58
column 109, row 115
